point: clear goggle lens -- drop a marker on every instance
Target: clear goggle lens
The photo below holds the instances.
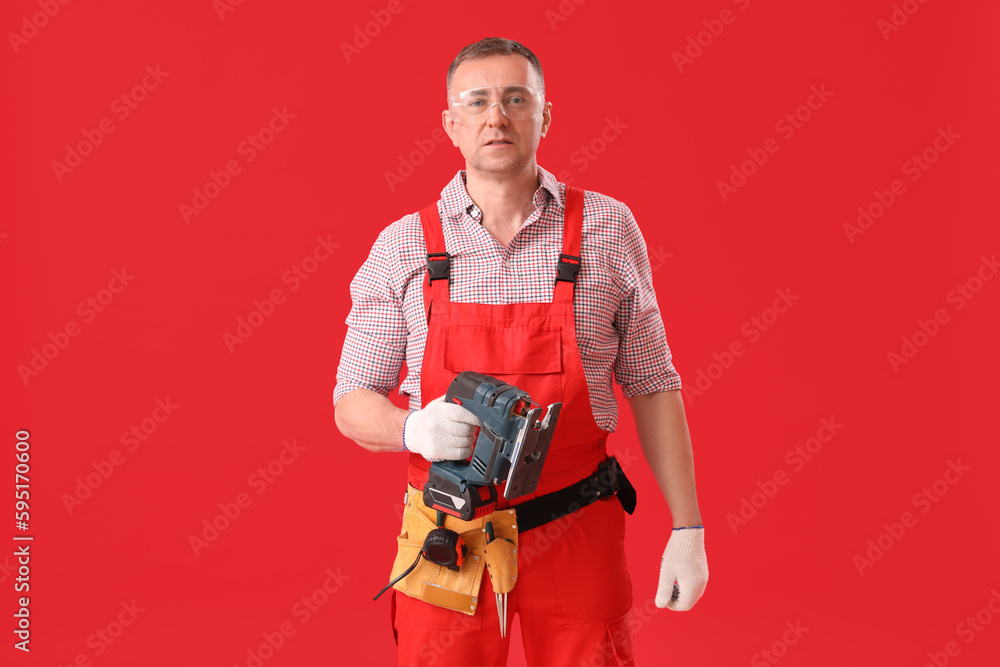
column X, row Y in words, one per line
column 517, row 102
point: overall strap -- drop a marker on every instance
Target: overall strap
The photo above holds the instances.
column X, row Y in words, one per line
column 438, row 262
column 569, row 260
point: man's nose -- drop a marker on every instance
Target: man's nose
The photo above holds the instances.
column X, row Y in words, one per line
column 498, row 118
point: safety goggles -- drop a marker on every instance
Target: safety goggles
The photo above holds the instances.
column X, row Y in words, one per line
column 516, row 102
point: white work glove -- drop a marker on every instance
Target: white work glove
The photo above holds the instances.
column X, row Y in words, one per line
column 683, row 561
column 441, row 431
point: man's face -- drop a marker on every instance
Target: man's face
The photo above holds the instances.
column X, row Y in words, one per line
column 497, row 144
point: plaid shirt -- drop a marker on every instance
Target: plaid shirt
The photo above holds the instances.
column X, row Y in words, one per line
column 618, row 323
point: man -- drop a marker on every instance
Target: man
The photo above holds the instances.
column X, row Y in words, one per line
column 549, row 289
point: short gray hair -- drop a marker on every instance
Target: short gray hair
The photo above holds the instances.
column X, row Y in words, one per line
column 494, row 46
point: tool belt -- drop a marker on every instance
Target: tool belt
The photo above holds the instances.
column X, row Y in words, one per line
column 459, row 590
column 608, row 480
column 437, row 584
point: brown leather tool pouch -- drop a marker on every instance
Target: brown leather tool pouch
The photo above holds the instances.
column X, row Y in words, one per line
column 436, row 584
column 501, row 563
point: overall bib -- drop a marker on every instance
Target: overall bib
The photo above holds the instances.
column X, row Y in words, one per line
column 573, row 592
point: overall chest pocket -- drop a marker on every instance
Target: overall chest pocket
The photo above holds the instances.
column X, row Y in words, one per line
column 506, row 351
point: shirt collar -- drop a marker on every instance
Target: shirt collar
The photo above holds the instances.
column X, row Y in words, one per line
column 457, row 201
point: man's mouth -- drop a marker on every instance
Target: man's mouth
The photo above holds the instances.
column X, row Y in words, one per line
column 499, row 142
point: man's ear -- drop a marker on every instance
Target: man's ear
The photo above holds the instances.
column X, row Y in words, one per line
column 449, row 127
column 546, row 118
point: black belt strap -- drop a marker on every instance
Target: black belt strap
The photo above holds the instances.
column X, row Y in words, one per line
column 609, row 479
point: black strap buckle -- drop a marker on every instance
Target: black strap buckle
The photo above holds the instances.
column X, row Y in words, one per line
column 611, row 472
column 438, row 266
column 568, row 267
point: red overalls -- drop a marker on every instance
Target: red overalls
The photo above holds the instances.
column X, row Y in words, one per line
column 573, row 594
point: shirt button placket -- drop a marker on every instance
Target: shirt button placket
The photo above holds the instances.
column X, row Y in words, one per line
column 509, row 282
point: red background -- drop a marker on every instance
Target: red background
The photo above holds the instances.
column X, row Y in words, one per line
column 717, row 265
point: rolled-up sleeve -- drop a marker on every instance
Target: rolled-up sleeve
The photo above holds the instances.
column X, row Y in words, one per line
column 644, row 363
column 375, row 344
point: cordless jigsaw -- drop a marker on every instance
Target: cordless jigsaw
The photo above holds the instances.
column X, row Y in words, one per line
column 510, row 447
